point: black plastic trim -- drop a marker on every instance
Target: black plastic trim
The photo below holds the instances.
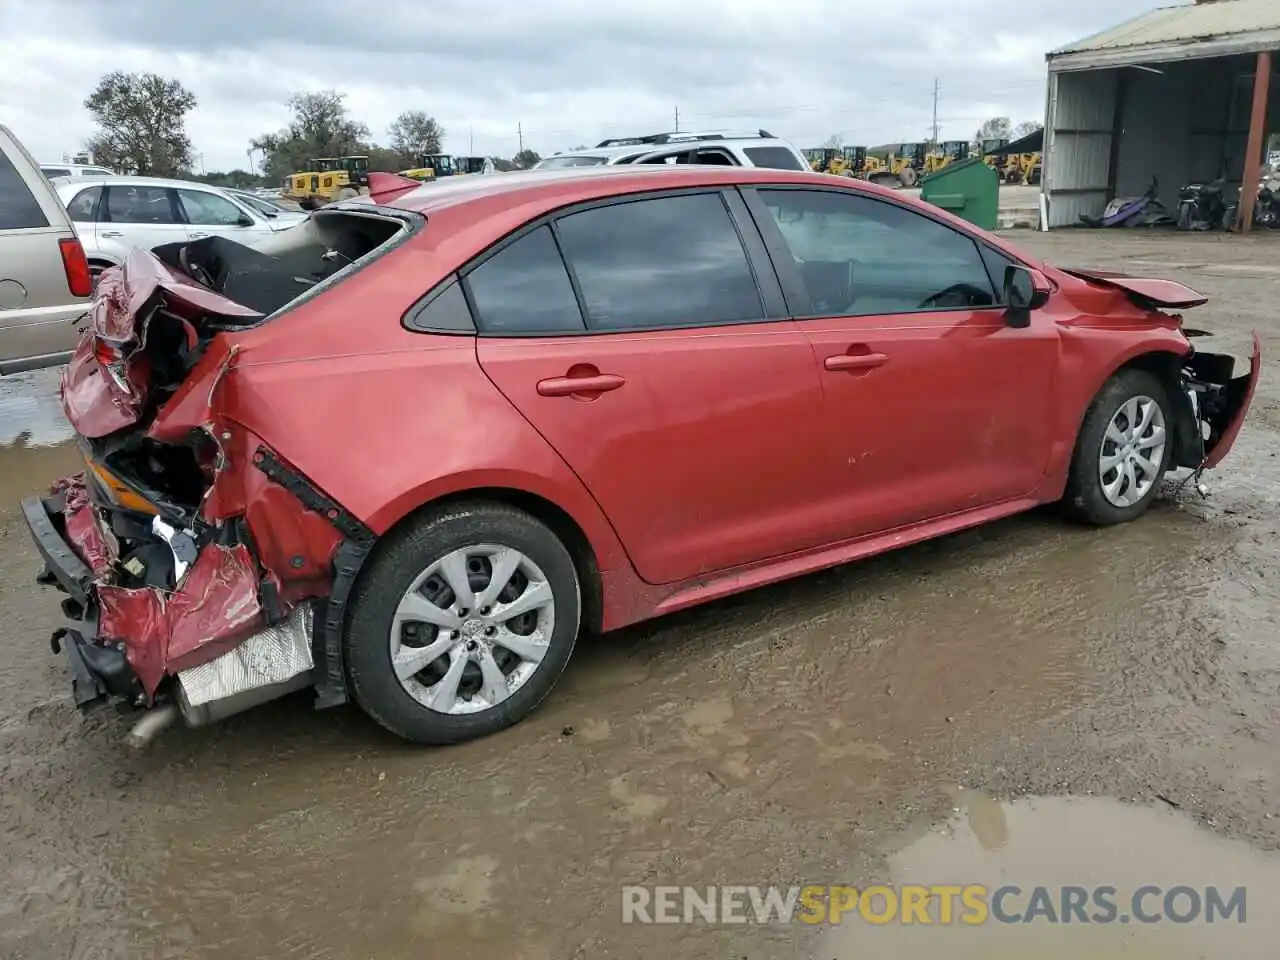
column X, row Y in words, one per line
column 311, row 496
column 330, row 672
column 72, row 574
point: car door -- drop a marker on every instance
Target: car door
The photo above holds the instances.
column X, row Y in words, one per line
column 934, row 405
column 137, row 215
column 210, row 214
column 665, row 376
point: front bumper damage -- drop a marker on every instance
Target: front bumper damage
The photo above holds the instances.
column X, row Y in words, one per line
column 217, row 643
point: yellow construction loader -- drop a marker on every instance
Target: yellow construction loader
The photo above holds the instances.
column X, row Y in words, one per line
column 901, row 164
column 432, row 166
column 328, row 179
column 944, row 154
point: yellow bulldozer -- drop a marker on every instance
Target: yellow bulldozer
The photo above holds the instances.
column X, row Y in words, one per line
column 944, row 154
column 326, row 180
column 432, row 166
column 899, row 164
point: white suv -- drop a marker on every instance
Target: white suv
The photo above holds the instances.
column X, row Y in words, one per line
column 759, row 149
column 52, row 170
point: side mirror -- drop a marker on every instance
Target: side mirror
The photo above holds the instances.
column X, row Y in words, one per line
column 1024, row 290
column 270, row 214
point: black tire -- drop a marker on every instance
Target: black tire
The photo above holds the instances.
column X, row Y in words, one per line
column 96, row 268
column 392, row 569
column 1084, row 499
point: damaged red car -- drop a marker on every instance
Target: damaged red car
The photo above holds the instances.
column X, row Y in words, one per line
column 403, row 453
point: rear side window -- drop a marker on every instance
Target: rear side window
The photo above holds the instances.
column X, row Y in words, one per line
column 666, row 262
column 773, row 158
column 139, row 205
column 208, row 209
column 524, row 289
column 52, row 172
column 18, row 207
column 82, row 207
column 98, row 172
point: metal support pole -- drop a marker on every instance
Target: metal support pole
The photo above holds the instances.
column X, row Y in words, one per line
column 1257, row 131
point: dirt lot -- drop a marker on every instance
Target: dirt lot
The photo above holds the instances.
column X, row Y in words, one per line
column 1030, row 701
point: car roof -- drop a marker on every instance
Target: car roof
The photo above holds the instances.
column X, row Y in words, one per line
column 572, row 184
column 130, row 181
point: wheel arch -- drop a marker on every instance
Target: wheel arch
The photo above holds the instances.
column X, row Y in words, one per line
column 556, row 518
column 1166, row 365
column 1164, row 361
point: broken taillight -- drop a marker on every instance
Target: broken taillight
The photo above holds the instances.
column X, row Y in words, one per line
column 111, row 358
column 76, row 267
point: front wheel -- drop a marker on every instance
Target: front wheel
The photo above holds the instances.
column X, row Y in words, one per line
column 1122, row 451
column 462, row 623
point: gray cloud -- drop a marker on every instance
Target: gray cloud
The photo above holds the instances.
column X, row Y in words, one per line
column 567, row 71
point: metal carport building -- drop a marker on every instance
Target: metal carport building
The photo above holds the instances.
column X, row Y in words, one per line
column 1179, row 94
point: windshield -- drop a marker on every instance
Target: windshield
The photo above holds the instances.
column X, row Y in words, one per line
column 262, row 206
column 552, row 163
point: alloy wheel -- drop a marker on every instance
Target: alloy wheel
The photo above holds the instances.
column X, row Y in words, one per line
column 472, row 629
column 1132, row 451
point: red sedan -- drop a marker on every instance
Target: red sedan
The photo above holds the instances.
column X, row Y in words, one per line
column 405, row 452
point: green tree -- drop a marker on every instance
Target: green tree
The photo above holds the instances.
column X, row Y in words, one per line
column 386, row 159
column 238, row 179
column 525, row 159
column 320, row 127
column 141, row 124
column 414, row 133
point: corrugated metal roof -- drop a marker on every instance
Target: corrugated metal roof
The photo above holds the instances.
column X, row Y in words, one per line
column 1187, row 24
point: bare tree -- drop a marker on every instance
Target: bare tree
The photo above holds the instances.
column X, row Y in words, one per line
column 320, row 128
column 414, row 133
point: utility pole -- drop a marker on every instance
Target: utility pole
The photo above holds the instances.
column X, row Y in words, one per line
column 677, row 118
column 471, row 141
column 935, row 111
column 520, row 135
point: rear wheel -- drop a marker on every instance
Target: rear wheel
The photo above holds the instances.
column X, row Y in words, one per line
column 347, row 193
column 462, row 623
column 1122, row 451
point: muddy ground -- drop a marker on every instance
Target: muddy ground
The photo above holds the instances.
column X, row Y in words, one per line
column 1030, row 699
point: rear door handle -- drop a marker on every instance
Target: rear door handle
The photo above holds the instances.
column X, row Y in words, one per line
column 854, row 361
column 570, row 386
column 198, row 235
column 112, row 234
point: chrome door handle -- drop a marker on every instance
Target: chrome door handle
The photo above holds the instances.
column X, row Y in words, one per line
column 111, row 234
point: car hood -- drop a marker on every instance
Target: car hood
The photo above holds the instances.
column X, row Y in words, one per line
column 1145, row 292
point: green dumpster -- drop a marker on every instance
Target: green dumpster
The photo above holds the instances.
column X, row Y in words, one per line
column 970, row 189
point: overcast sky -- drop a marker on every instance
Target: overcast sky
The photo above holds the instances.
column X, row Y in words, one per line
column 566, row 71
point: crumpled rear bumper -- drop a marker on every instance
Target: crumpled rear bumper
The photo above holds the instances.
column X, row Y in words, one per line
column 123, row 641
column 98, row 668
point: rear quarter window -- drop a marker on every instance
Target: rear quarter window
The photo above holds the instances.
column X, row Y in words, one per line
column 18, row 207
column 84, row 204
column 773, row 158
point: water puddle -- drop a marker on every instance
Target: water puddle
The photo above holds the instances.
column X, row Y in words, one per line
column 1175, row 887
column 35, row 438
